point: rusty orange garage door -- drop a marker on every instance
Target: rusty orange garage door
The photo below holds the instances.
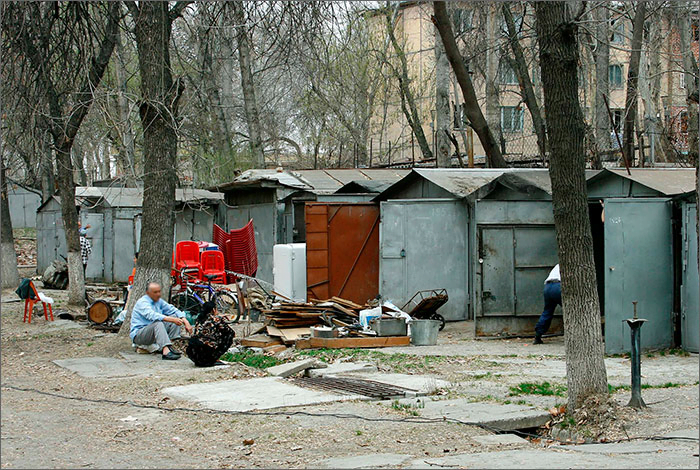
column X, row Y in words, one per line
column 342, row 250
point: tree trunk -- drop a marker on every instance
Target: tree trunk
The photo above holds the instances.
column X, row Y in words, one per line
column 126, row 150
column 159, row 111
column 690, row 69
column 9, row 272
column 78, row 163
column 211, row 76
column 632, row 81
column 602, row 86
column 408, row 102
column 252, row 113
column 650, row 90
column 47, row 168
column 492, row 105
column 442, row 103
column 526, row 87
column 473, row 111
column 69, row 213
column 558, row 40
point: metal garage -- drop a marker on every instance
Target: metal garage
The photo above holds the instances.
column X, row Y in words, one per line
column 114, row 216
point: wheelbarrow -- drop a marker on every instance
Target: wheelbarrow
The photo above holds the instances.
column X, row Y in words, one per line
column 424, row 304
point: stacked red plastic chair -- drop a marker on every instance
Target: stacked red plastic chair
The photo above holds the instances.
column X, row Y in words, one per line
column 240, row 251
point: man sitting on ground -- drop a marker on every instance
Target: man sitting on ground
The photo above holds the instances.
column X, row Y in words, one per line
column 153, row 320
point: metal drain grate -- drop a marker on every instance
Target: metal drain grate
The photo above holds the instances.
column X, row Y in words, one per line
column 368, row 388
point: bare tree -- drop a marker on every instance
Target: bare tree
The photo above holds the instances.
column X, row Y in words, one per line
column 252, row 112
column 408, row 102
column 47, row 36
column 631, row 99
column 601, row 54
column 159, row 118
column 442, row 104
column 528, row 92
column 473, row 111
column 557, row 32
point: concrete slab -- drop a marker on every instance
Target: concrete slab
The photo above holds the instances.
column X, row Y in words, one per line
column 340, row 368
column 130, row 365
column 684, row 433
column 550, row 458
column 632, row 447
column 254, row 394
column 291, row 368
column 499, row 439
column 424, row 384
column 495, row 416
column 364, row 461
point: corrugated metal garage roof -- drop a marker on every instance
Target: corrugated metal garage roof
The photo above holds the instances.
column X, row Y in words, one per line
column 667, row 181
column 325, row 181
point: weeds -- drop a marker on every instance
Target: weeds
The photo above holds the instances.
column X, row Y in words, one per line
column 616, row 388
column 544, row 388
column 399, row 362
column 251, row 359
column 407, row 408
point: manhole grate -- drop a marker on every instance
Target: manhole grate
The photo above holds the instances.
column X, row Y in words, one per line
column 368, row 388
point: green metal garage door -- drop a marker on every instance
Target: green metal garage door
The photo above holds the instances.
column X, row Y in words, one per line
column 638, row 267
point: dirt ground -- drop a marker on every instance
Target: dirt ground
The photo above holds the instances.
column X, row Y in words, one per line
column 41, row 431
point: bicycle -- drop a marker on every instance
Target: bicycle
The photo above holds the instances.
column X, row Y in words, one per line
column 192, row 298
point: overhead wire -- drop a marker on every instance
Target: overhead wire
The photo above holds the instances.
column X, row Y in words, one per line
column 410, row 419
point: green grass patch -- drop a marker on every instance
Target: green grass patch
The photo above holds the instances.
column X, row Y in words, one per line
column 544, row 388
column 251, row 359
column 617, row 388
column 398, row 362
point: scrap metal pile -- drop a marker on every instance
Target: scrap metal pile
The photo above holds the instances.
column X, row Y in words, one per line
column 334, row 312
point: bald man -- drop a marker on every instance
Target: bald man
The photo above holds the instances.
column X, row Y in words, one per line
column 153, row 320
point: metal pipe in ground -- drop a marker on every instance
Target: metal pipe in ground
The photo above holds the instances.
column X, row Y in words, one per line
column 635, row 325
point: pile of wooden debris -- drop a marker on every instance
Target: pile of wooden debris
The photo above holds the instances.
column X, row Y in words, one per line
column 332, row 323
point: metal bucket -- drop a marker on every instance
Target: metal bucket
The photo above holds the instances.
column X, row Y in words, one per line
column 424, row 332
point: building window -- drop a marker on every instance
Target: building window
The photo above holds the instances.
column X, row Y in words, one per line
column 506, row 74
column 615, row 76
column 681, row 80
column 511, row 119
column 696, row 30
column 618, row 31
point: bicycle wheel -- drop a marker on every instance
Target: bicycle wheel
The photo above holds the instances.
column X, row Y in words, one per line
column 226, row 304
column 187, row 303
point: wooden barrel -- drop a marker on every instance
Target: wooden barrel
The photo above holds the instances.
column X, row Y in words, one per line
column 99, row 312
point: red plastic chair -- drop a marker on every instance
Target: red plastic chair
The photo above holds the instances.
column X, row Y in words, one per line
column 213, row 264
column 187, row 257
column 29, row 305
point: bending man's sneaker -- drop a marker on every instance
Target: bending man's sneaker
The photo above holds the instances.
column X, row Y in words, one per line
column 538, row 340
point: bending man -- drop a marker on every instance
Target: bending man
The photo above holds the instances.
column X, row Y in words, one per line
column 153, row 320
column 552, row 298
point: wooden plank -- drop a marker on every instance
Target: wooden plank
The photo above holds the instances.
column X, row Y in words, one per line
column 346, row 311
column 278, row 348
column 347, row 303
column 260, row 341
column 338, row 343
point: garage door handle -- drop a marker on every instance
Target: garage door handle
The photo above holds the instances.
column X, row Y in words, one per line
column 403, row 253
column 486, row 294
